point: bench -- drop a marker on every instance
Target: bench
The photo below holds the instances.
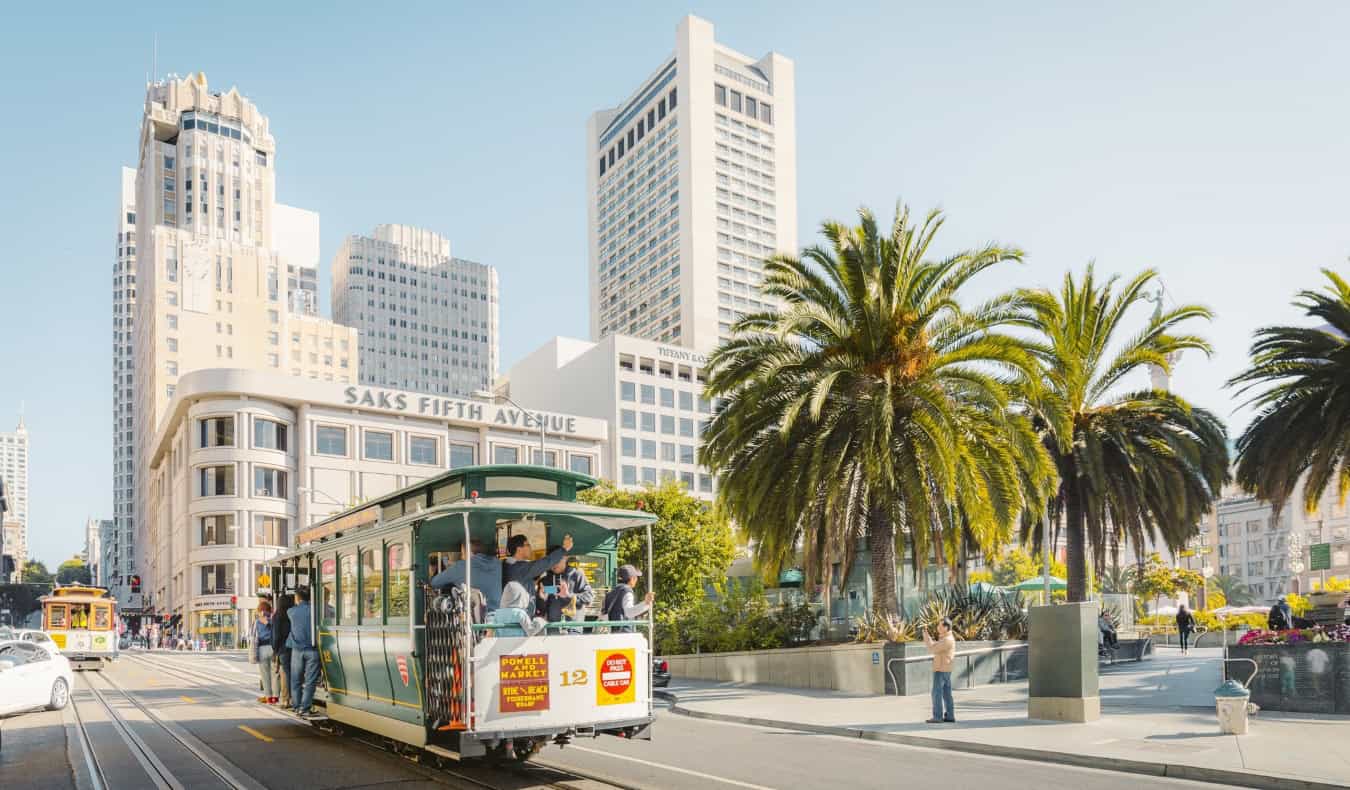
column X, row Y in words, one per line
column 1127, row 650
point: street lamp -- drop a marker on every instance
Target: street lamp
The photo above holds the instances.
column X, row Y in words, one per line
column 495, row 396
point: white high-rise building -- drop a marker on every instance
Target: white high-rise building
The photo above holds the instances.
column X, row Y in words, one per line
column 212, row 247
column 691, row 184
column 428, row 321
column 650, row 394
column 93, row 548
column 14, row 471
column 120, row 548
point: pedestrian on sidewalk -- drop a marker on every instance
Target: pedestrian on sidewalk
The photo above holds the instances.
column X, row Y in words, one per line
column 944, row 655
column 281, row 650
column 304, row 654
column 262, row 649
column 1185, row 626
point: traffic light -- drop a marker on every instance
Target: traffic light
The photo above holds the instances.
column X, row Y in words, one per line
column 234, row 600
column 135, row 584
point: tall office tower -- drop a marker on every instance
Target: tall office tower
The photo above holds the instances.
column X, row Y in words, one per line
column 297, row 239
column 691, row 183
column 121, row 546
column 93, row 548
column 428, row 321
column 211, row 261
column 14, row 470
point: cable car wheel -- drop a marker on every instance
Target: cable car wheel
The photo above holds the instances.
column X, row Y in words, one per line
column 515, row 750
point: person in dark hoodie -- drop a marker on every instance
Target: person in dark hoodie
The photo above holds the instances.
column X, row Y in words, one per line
column 518, row 566
column 281, row 654
column 563, row 592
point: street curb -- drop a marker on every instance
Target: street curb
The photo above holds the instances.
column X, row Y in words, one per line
column 1193, row 773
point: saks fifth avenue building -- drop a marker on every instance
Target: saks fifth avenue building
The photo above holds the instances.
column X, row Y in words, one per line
column 244, row 458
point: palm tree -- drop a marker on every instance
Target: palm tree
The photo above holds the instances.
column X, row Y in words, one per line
column 1117, row 578
column 1304, row 421
column 1235, row 591
column 1132, row 466
column 872, row 406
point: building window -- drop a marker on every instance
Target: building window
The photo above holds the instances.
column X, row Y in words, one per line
column 628, row 419
column 686, row 426
column 347, row 589
column 461, row 455
column 668, row 452
column 686, row 454
column 766, row 113
column 648, row 475
column 751, row 107
column 687, row 401
column 269, row 482
column 736, row 101
column 628, row 447
column 705, row 483
column 649, row 449
column 400, row 579
column 649, row 421
column 330, row 440
column 648, row 394
column 379, row 446
column 270, row 530
column 667, row 397
column 218, row 579
column 667, row 424
column 581, row 464
column 217, row 530
column 505, row 454
column 630, row 475
column 423, row 450
column 550, row 458
column 687, row 480
column 269, row 435
column 627, row 391
column 216, row 432
column 720, row 94
column 216, row 480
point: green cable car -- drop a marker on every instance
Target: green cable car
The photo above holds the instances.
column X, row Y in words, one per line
column 412, row 663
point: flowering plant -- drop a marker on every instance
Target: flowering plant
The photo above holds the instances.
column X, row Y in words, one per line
column 1294, row 636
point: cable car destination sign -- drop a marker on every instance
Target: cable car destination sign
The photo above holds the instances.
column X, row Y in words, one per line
column 459, row 410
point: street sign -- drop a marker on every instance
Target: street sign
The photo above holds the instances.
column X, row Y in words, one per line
column 1187, row 553
column 1319, row 557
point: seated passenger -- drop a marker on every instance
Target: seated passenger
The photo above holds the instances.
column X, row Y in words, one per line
column 486, row 571
column 511, row 618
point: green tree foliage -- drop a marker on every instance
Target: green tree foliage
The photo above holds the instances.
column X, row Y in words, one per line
column 1117, row 579
column 1132, row 466
column 738, row 618
column 1302, row 378
column 73, row 571
column 872, row 406
column 1235, row 591
column 692, row 544
column 1158, row 579
column 35, row 572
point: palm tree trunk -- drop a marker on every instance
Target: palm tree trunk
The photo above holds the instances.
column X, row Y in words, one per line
column 1075, row 555
column 881, row 545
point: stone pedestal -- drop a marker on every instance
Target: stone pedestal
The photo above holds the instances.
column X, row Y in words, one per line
column 1063, row 663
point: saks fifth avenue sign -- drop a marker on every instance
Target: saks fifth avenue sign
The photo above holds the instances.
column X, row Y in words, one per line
column 460, row 410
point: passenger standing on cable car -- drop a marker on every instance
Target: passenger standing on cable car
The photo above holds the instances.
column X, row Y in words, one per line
column 619, row 602
column 565, row 591
column 281, row 648
column 520, row 568
column 487, row 574
column 304, row 655
column 262, row 648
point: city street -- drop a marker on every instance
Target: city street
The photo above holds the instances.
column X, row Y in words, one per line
column 186, row 720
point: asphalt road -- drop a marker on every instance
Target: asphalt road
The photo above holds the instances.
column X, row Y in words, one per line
column 151, row 725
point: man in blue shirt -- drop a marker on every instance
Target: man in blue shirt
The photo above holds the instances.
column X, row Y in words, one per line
column 487, row 574
column 304, row 654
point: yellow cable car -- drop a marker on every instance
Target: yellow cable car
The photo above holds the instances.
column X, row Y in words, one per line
column 82, row 621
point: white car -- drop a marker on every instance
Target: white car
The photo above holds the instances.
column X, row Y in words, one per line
column 37, row 638
column 33, row 676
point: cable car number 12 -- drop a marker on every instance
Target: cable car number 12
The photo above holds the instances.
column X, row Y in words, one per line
column 574, row 677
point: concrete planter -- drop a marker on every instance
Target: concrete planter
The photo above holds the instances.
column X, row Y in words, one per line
column 853, row 669
column 916, row 677
column 1300, row 678
column 1063, row 663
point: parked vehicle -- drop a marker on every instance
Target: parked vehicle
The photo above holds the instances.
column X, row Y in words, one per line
column 37, row 637
column 33, row 676
column 660, row 673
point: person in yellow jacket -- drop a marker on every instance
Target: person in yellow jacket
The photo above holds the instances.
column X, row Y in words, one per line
column 944, row 655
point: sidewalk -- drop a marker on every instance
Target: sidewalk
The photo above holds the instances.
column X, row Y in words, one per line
column 1157, row 719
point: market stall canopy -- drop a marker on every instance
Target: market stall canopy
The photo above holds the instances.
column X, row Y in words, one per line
column 1038, row 583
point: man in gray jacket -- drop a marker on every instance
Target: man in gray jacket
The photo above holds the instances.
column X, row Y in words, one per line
column 565, row 593
column 487, row 575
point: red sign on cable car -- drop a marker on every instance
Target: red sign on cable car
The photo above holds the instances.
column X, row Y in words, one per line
column 402, row 669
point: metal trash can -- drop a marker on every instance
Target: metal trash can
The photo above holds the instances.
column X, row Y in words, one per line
column 1230, row 699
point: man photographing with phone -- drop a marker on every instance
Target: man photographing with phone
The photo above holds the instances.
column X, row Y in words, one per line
column 564, row 591
column 518, row 566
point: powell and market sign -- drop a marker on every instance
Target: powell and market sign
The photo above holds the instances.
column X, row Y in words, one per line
column 453, row 409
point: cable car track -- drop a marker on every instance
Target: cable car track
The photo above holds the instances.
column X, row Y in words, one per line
column 425, row 763
column 159, row 773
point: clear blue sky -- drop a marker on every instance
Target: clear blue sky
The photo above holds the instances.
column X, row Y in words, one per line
column 1208, row 140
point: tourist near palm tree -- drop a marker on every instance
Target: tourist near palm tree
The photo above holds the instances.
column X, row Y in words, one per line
column 1303, row 427
column 873, row 406
column 1133, row 465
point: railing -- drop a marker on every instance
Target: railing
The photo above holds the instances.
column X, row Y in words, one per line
column 1000, row 650
column 571, row 624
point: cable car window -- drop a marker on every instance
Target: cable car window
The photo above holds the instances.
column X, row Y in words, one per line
column 372, row 587
column 400, row 581
column 102, row 618
column 391, row 511
column 328, row 588
column 56, row 617
column 347, row 589
column 449, row 492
